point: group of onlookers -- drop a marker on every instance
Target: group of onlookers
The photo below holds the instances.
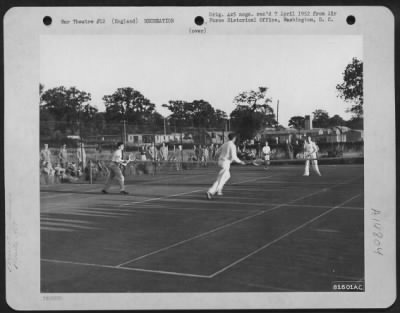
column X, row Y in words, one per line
column 205, row 153
column 152, row 153
column 62, row 165
column 69, row 164
column 175, row 153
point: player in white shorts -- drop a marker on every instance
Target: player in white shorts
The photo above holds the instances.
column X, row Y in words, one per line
column 310, row 154
column 266, row 150
column 227, row 155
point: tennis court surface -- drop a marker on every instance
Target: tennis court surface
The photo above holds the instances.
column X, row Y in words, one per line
column 272, row 230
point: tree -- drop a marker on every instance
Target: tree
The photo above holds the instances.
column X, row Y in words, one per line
column 252, row 113
column 336, row 120
column 355, row 123
column 202, row 113
column 198, row 113
column 220, row 119
column 256, row 100
column 320, row 119
column 181, row 113
column 130, row 105
column 351, row 89
column 88, row 120
column 297, row 122
column 64, row 107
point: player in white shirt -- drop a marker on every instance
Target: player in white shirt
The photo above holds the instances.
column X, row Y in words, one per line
column 266, row 150
column 310, row 154
column 115, row 170
column 227, row 155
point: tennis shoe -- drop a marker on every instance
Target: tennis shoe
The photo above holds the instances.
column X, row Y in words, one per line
column 124, row 192
column 208, row 195
column 219, row 193
column 103, row 191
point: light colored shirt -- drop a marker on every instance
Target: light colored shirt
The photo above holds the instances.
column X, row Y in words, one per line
column 45, row 155
column 310, row 148
column 63, row 155
column 153, row 152
column 228, row 152
column 164, row 152
column 117, row 156
column 266, row 150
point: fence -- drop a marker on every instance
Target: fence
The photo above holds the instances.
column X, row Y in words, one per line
column 97, row 161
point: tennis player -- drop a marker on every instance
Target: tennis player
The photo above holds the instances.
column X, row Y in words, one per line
column 115, row 170
column 266, row 150
column 227, row 155
column 310, row 154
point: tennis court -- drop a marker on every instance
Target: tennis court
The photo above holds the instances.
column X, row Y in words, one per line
column 272, row 230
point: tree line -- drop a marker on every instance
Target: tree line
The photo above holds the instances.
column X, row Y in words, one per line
column 68, row 111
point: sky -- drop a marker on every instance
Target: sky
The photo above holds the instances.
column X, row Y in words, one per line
column 301, row 72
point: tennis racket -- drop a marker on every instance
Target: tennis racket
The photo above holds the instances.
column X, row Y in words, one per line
column 131, row 158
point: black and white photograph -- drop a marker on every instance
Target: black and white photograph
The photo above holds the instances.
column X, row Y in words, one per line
column 137, row 139
column 198, row 163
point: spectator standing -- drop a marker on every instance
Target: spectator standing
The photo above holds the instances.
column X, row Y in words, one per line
column 45, row 154
column 164, row 152
column 63, row 156
column 266, row 151
column 205, row 156
column 143, row 153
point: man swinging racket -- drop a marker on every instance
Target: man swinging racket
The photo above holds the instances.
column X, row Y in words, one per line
column 115, row 169
column 227, row 155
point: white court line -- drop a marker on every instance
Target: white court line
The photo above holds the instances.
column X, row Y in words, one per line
column 172, row 177
column 151, row 199
column 186, row 193
column 305, row 183
column 281, row 237
column 192, row 238
column 72, row 191
column 220, row 201
column 60, row 193
column 159, row 198
column 249, row 180
column 222, row 227
column 125, row 268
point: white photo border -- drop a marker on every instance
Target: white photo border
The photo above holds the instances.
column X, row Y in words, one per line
column 23, row 27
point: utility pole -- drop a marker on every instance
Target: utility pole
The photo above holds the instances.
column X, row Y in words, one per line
column 80, row 138
column 277, row 112
column 124, row 131
column 80, row 132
